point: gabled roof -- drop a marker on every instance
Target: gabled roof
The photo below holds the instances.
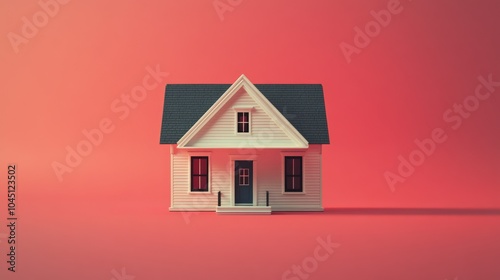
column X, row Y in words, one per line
column 242, row 83
column 301, row 104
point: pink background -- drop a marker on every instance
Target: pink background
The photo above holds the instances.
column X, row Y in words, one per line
column 111, row 210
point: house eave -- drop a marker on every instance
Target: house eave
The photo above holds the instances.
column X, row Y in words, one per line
column 247, row 148
column 243, row 81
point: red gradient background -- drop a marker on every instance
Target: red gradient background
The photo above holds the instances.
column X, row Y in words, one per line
column 111, row 211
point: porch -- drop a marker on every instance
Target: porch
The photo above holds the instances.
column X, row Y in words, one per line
column 242, row 208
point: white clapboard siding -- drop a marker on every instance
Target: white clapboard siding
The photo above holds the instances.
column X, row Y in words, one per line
column 268, row 176
column 220, row 132
column 271, row 180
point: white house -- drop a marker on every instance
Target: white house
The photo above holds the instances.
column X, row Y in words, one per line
column 245, row 148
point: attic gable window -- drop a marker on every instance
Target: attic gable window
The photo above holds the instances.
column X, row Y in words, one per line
column 243, row 122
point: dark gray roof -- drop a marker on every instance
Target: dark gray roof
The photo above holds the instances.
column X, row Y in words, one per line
column 302, row 105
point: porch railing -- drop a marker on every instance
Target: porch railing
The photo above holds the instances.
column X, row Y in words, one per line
column 219, row 198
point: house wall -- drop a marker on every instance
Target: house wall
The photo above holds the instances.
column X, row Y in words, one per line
column 268, row 176
column 220, row 132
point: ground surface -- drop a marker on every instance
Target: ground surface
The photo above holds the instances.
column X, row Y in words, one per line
column 94, row 240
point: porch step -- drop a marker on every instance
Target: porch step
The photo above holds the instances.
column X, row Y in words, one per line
column 243, row 209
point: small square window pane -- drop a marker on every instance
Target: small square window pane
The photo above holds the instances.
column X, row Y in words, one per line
column 297, row 183
column 200, row 183
column 196, row 183
column 195, row 164
column 297, row 164
column 203, row 166
column 288, row 166
column 203, row 183
column 289, row 183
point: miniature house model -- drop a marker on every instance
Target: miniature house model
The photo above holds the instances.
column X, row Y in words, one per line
column 245, row 148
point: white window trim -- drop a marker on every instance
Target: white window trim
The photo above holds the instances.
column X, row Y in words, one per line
column 293, row 154
column 243, row 110
column 200, row 154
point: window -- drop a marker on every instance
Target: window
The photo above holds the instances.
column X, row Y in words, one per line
column 244, row 177
column 199, row 174
column 293, row 174
column 243, row 122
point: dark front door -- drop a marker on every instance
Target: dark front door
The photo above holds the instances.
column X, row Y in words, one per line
column 243, row 182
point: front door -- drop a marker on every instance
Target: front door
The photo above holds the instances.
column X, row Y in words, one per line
column 243, row 182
